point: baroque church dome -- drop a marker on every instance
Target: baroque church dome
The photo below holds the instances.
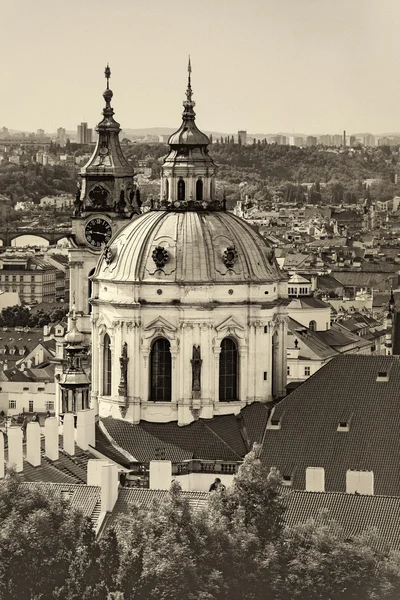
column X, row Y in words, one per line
column 188, row 302
column 188, row 247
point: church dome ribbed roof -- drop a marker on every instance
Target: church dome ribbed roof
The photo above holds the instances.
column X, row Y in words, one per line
column 188, row 247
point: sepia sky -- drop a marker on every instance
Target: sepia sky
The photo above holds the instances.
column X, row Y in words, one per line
column 310, row 66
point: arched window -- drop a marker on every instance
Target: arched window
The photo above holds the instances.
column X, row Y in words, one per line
column 199, row 190
column 228, row 371
column 312, row 326
column 90, row 285
column 160, row 371
column 107, row 366
column 167, row 189
column 181, row 190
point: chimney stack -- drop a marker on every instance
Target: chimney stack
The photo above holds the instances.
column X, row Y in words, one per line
column 94, row 470
column 315, row 479
column 160, row 474
column 360, row 482
column 51, row 437
column 109, row 487
column 69, row 434
column 86, row 429
column 33, row 449
column 15, row 457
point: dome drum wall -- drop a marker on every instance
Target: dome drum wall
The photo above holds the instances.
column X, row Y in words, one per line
column 253, row 330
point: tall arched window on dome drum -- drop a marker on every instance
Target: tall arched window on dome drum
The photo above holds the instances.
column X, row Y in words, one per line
column 160, row 371
column 167, row 189
column 181, row 190
column 107, row 366
column 90, row 285
column 199, row 190
column 228, row 371
column 312, row 326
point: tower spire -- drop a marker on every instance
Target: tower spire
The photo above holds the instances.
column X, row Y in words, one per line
column 107, row 73
column 189, row 86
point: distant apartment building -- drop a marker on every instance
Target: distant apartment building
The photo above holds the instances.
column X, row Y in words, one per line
column 40, row 133
column 281, row 140
column 4, row 132
column 163, row 138
column 384, row 141
column 84, row 134
column 33, row 278
column 242, row 136
column 61, row 136
column 311, row 141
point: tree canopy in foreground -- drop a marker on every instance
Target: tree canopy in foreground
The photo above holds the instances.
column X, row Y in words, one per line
column 238, row 548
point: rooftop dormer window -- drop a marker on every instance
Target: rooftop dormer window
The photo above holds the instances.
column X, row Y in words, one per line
column 382, row 376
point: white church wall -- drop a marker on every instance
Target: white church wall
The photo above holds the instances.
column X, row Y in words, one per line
column 185, row 326
column 321, row 316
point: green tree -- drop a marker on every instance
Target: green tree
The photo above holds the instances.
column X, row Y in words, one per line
column 38, row 539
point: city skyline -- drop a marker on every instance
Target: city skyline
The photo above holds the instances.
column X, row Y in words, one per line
column 263, row 66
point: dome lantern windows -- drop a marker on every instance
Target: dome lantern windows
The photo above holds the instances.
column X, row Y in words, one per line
column 199, row 190
column 181, row 190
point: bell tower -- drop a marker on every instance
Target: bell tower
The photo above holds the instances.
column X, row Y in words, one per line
column 106, row 199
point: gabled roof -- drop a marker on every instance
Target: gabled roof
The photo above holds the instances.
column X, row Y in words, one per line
column 312, row 340
column 308, row 435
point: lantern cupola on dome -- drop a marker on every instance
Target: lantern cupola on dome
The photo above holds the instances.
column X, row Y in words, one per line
column 188, row 171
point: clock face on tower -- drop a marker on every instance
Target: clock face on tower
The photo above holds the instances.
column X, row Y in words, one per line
column 98, row 232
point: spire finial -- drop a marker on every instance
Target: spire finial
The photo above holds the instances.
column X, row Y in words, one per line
column 107, row 73
column 189, row 87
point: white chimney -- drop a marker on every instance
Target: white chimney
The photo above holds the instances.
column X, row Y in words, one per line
column 85, row 434
column 69, row 434
column 1, row 455
column 109, row 487
column 315, row 479
column 94, row 470
column 15, row 458
column 360, row 482
column 33, row 449
column 51, row 438
column 160, row 474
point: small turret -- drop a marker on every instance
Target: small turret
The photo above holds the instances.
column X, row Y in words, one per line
column 74, row 382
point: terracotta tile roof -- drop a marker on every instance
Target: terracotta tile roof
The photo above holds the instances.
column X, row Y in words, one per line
column 354, row 512
column 199, row 438
column 46, row 472
column 254, row 419
column 83, row 497
column 105, row 447
column 308, row 435
column 225, row 438
column 141, row 444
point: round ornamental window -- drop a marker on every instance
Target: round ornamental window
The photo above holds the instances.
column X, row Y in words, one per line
column 230, row 256
column 159, row 292
column 160, row 256
column 230, row 292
